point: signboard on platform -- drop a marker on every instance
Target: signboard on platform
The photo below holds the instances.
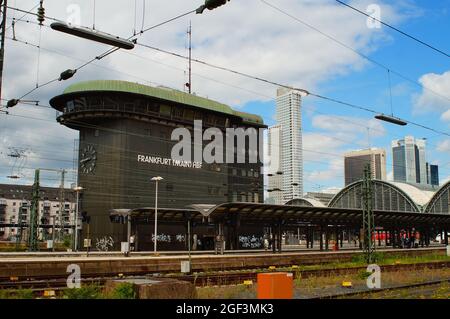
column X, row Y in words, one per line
column 124, row 247
column 185, row 266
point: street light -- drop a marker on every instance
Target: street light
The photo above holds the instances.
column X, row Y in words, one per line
column 156, row 179
column 391, row 119
column 94, row 35
column 77, row 189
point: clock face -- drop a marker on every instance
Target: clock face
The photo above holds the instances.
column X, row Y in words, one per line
column 88, row 159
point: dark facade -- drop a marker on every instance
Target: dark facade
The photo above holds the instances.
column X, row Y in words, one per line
column 125, row 140
column 434, row 175
column 434, row 172
column 354, row 168
column 399, row 161
column 356, row 162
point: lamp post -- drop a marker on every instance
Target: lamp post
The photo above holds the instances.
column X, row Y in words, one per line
column 156, row 179
column 77, row 189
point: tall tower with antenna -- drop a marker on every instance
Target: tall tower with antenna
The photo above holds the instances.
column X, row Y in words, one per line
column 3, row 6
column 189, row 83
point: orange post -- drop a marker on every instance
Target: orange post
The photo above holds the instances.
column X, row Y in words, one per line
column 277, row 285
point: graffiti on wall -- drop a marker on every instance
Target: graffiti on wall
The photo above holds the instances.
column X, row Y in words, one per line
column 164, row 238
column 104, row 243
column 250, row 241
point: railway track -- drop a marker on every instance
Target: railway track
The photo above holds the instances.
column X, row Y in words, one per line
column 230, row 278
column 208, row 279
column 365, row 293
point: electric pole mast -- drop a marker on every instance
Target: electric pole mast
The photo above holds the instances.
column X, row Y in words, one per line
column 61, row 206
column 189, row 84
column 34, row 211
column 3, row 5
column 368, row 218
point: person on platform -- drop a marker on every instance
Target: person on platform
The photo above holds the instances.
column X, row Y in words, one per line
column 132, row 242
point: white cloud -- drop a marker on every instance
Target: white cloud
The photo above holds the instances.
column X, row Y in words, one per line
column 443, row 146
column 334, row 170
column 243, row 35
column 429, row 101
column 317, row 146
column 325, row 150
column 445, row 181
column 259, row 43
column 348, row 124
column 446, row 116
column 390, row 176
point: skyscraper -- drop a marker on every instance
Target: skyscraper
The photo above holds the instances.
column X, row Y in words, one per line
column 289, row 122
column 432, row 174
column 274, row 156
column 409, row 160
column 356, row 161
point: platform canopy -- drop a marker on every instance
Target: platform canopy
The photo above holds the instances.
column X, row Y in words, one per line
column 267, row 215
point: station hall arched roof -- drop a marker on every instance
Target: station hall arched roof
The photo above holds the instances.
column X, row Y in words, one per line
column 440, row 202
column 387, row 196
column 305, row 201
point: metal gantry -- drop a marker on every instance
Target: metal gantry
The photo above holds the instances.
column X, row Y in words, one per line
column 34, row 211
column 368, row 218
column 3, row 6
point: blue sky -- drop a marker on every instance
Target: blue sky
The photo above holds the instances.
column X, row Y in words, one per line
column 370, row 87
column 249, row 36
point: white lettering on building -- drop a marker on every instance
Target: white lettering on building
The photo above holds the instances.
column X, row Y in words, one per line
column 167, row 161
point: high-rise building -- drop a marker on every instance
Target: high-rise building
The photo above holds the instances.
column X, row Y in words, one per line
column 290, row 157
column 409, row 160
column 432, row 174
column 275, row 181
column 356, row 161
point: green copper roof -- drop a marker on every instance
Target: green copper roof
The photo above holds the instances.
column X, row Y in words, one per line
column 161, row 93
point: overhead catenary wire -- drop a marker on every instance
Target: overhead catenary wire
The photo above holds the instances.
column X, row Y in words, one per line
column 143, row 15
column 81, row 60
column 126, row 52
column 104, row 54
column 135, row 17
column 316, row 133
column 366, row 57
column 390, row 91
column 21, row 18
column 39, row 56
column 243, row 74
column 82, row 124
column 395, row 29
column 363, row 108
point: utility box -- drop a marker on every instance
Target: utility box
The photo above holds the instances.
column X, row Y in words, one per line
column 87, row 243
column 185, row 266
column 50, row 244
column 448, row 250
column 124, row 247
column 276, row 285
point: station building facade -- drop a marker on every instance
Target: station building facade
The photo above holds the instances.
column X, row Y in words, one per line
column 125, row 139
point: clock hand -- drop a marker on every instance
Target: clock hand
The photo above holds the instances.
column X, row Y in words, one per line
column 85, row 160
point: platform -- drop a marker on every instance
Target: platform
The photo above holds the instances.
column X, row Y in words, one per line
column 96, row 266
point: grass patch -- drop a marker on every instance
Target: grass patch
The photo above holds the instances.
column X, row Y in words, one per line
column 16, row 294
column 85, row 292
column 123, row 291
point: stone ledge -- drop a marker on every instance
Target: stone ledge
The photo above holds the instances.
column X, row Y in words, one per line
column 156, row 288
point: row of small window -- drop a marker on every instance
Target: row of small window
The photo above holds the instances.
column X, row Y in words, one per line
column 246, row 198
column 67, row 209
column 13, row 217
column 245, row 173
column 144, row 107
column 42, row 205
